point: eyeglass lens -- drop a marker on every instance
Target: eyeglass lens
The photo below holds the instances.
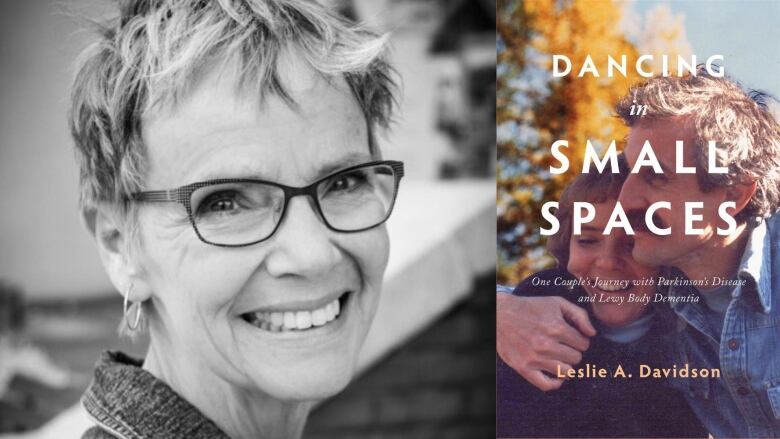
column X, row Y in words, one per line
column 240, row 213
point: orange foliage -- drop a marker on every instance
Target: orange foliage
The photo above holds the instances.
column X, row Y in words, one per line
column 571, row 108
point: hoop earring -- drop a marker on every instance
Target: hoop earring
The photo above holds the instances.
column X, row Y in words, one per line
column 137, row 310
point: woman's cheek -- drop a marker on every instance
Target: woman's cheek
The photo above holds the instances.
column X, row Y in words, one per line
column 372, row 252
column 580, row 260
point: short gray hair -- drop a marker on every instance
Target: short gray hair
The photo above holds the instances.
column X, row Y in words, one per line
column 151, row 54
column 747, row 135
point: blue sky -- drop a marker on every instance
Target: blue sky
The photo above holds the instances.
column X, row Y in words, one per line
column 745, row 32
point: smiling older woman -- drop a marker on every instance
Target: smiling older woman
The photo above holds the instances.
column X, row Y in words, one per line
column 231, row 178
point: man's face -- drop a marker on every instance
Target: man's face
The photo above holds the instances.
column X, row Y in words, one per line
column 646, row 187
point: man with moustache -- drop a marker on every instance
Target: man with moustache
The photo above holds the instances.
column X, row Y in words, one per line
column 736, row 326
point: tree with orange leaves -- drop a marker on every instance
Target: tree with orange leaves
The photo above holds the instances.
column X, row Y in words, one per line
column 534, row 109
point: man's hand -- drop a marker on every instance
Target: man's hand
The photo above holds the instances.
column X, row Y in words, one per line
column 536, row 334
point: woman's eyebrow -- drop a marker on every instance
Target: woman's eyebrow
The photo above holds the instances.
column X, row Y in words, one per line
column 241, row 173
column 326, row 168
column 336, row 165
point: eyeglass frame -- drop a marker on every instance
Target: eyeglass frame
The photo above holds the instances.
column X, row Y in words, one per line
column 183, row 195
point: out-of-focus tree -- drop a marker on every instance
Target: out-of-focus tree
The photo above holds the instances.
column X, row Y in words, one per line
column 534, row 109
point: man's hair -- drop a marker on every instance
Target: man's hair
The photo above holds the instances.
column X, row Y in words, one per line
column 746, row 133
column 152, row 53
column 592, row 187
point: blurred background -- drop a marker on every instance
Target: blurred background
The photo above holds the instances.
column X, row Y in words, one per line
column 428, row 361
column 534, row 110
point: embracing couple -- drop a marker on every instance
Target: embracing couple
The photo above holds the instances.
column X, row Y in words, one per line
column 698, row 353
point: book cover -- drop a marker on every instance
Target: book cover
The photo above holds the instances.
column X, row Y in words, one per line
column 637, row 213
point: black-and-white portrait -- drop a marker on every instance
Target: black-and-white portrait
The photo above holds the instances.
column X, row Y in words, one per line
column 247, row 218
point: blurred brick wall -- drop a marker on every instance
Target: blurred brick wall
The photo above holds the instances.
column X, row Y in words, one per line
column 439, row 385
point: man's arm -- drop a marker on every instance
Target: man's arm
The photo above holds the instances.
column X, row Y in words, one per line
column 537, row 334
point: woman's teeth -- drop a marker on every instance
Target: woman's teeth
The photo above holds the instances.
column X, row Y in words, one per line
column 278, row 321
column 613, row 287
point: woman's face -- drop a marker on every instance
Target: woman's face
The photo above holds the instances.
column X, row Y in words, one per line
column 202, row 294
column 602, row 262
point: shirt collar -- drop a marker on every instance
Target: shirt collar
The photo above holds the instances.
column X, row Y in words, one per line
column 130, row 401
column 755, row 266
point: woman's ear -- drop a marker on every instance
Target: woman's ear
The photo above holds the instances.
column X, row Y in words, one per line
column 113, row 239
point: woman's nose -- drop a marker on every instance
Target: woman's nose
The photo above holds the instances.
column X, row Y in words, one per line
column 302, row 245
column 609, row 260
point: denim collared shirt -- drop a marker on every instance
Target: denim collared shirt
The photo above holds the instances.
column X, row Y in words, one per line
column 127, row 402
column 745, row 401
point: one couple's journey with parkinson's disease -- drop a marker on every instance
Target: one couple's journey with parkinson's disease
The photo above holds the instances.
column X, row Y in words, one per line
column 660, row 318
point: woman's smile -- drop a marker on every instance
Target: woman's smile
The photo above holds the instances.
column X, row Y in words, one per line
column 297, row 332
column 297, row 317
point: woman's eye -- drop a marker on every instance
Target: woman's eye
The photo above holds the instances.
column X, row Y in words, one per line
column 586, row 241
column 341, row 183
column 346, row 182
column 219, row 203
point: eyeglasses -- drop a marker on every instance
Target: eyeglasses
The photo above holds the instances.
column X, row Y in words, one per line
column 233, row 212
